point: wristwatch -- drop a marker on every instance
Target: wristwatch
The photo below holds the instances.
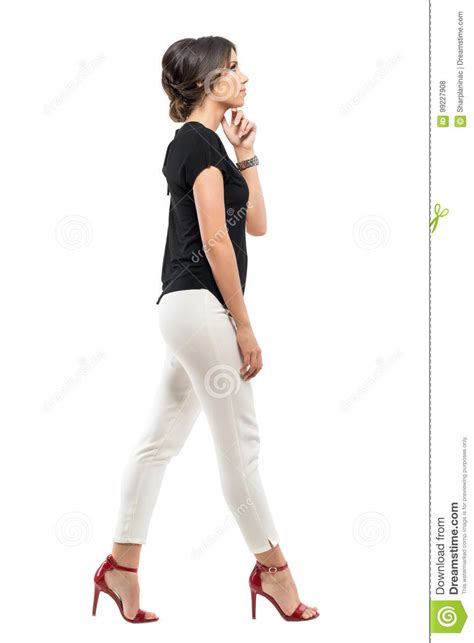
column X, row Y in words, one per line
column 242, row 165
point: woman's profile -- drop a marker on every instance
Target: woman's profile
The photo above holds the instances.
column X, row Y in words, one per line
column 212, row 353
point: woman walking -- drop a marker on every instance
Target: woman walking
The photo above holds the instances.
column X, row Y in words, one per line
column 211, row 350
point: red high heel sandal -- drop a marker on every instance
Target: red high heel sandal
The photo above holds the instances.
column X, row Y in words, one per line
column 255, row 583
column 101, row 586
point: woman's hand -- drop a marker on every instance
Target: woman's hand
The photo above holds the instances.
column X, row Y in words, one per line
column 250, row 351
column 239, row 125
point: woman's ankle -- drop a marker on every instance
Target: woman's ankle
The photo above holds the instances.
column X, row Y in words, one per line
column 127, row 554
column 271, row 557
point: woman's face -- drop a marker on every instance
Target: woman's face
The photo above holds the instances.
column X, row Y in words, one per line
column 230, row 87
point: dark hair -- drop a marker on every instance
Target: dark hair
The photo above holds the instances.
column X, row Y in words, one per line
column 187, row 61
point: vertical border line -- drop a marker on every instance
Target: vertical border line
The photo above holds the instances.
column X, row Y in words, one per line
column 429, row 321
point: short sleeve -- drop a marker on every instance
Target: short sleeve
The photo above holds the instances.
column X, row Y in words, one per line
column 201, row 150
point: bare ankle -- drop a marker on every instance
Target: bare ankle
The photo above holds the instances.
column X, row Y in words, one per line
column 273, row 556
column 127, row 554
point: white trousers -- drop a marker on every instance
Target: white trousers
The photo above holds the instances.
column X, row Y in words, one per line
column 201, row 372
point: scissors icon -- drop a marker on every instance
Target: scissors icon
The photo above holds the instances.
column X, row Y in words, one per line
column 439, row 214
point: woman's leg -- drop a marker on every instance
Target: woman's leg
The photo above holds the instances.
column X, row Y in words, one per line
column 172, row 416
column 201, row 334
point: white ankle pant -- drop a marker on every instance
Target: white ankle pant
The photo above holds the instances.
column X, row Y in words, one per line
column 201, row 371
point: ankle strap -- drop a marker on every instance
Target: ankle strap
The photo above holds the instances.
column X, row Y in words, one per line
column 115, row 565
column 272, row 568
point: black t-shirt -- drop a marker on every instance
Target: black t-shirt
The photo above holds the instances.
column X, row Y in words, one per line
column 185, row 263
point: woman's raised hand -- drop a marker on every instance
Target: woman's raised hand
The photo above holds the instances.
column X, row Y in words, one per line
column 241, row 132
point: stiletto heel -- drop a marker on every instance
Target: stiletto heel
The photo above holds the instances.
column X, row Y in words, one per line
column 255, row 583
column 254, row 603
column 96, row 598
column 101, row 586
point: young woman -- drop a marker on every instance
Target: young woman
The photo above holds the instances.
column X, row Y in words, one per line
column 212, row 353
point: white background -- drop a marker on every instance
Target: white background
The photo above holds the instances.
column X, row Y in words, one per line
column 337, row 292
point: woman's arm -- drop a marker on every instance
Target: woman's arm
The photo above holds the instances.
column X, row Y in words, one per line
column 256, row 213
column 208, row 192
